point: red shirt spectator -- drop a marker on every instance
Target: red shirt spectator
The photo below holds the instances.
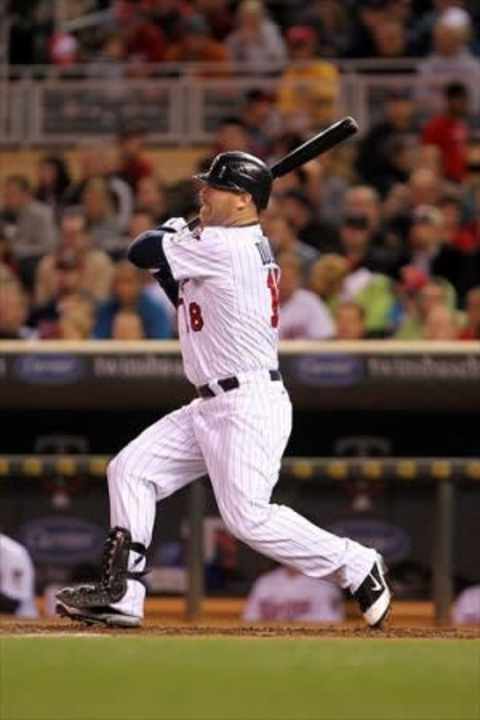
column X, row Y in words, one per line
column 450, row 133
column 144, row 40
column 471, row 331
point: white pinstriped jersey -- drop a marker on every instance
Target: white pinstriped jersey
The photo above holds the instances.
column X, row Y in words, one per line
column 279, row 595
column 466, row 609
column 228, row 301
column 17, row 576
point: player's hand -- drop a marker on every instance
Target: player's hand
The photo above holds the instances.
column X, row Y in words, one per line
column 173, row 225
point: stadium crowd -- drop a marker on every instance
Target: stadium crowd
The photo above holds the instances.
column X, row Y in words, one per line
column 243, row 31
column 380, row 239
column 381, row 242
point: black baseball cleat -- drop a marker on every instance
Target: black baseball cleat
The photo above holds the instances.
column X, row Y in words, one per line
column 106, row 616
column 374, row 595
column 92, row 603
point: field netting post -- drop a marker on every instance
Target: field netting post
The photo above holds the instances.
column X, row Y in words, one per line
column 195, row 589
column 443, row 552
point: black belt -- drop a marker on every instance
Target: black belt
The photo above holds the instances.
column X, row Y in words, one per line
column 231, row 383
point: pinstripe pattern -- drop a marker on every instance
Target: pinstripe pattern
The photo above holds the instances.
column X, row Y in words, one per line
column 238, row 437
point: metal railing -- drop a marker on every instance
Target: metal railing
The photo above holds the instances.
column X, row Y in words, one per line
column 177, row 104
column 442, row 473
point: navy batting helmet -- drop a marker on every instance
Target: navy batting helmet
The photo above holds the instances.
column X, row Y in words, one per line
column 240, row 172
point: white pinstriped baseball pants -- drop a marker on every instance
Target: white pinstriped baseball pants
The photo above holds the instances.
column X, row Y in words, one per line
column 238, row 438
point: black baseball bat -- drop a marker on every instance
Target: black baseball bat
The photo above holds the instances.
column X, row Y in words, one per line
column 312, row 148
column 317, row 145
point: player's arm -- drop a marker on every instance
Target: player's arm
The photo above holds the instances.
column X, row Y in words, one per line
column 197, row 255
column 146, row 252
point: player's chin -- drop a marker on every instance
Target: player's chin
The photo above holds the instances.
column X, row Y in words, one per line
column 204, row 214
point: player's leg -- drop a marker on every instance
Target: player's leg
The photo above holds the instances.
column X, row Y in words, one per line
column 243, row 435
column 161, row 460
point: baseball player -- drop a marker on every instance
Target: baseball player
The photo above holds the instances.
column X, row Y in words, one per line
column 286, row 595
column 224, row 282
column 17, row 579
column 466, row 608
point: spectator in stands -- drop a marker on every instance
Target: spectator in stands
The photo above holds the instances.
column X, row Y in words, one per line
column 425, row 187
column 327, row 277
column 284, row 240
column 53, row 181
column 466, row 608
column 76, row 317
column 472, row 178
column 33, row 224
column 357, row 245
column 350, row 321
column 365, row 200
column 429, row 251
column 471, row 331
column 450, row 133
column 256, row 41
column 17, row 579
column 435, row 293
column 369, row 14
column 455, row 232
column 219, row 16
column 141, row 220
column 109, row 63
column 133, row 165
column 390, row 39
column 425, row 24
column 100, row 216
column 303, row 315
column 231, row 134
column 129, row 294
column 374, row 161
column 13, row 313
column 408, row 283
column 327, row 181
column 74, row 244
column 261, row 121
column 144, row 40
column 169, row 15
column 309, row 88
column 8, row 267
column 329, row 20
column 299, row 212
column 99, row 162
column 44, row 319
column 151, row 196
column 331, row 280
column 127, row 325
column 285, row 595
column 451, row 59
column 428, row 157
column 63, row 49
column 441, row 323
column 196, row 45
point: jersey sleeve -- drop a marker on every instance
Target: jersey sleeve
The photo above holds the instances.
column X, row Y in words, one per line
column 193, row 256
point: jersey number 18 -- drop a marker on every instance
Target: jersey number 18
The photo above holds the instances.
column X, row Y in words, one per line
column 195, row 313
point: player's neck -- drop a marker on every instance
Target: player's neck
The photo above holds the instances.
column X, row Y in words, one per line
column 244, row 218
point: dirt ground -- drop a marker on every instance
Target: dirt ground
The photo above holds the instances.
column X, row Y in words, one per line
column 67, row 627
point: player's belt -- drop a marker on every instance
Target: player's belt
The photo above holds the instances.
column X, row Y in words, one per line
column 231, row 383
